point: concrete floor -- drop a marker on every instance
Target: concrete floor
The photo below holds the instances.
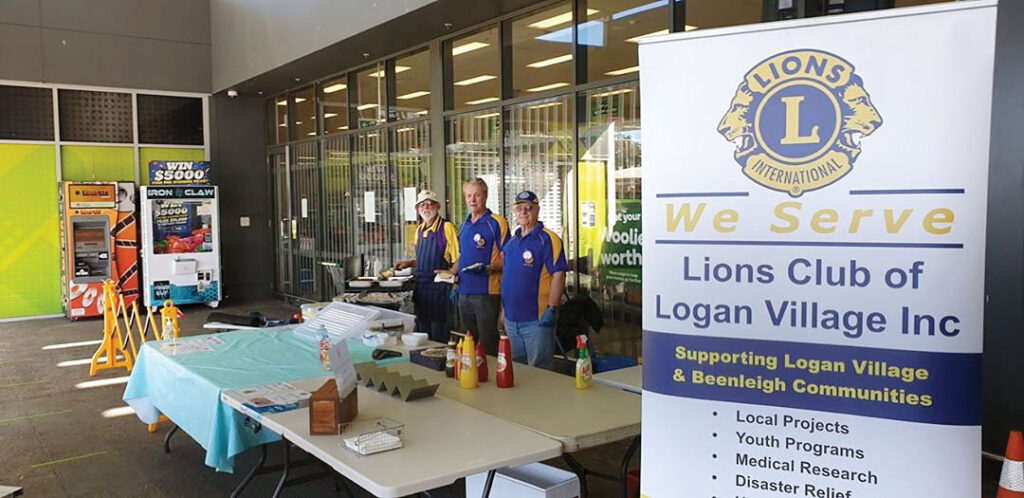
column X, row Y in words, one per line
column 55, row 440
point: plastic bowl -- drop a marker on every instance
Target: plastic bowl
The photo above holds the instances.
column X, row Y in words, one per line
column 414, row 339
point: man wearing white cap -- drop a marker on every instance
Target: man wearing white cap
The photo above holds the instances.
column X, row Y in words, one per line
column 437, row 252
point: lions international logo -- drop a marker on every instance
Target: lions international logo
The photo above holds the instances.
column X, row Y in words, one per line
column 479, row 240
column 527, row 258
column 797, row 120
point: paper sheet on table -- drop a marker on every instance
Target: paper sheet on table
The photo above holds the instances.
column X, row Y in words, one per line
column 410, row 203
column 188, row 346
column 343, row 367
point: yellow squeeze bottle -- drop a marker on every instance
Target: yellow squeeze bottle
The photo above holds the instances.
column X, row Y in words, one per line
column 469, row 376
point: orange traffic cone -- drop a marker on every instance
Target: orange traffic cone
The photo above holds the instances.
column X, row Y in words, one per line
column 1011, row 481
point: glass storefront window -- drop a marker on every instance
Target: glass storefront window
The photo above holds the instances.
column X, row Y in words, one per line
column 412, row 85
column 411, row 160
column 609, row 213
column 703, row 14
column 372, row 194
column 371, row 96
column 474, row 151
column 476, row 65
column 542, row 51
column 341, row 227
column 539, row 157
column 304, row 110
column 280, row 118
column 611, row 30
column 335, row 105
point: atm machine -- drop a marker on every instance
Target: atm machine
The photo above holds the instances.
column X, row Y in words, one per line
column 98, row 242
column 180, row 245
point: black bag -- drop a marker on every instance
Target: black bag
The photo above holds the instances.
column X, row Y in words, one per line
column 252, row 320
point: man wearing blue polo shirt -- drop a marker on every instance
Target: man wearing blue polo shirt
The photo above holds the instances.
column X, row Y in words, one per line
column 481, row 237
column 532, row 284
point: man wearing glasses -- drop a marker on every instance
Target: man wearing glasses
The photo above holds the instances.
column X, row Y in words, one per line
column 532, row 284
column 437, row 252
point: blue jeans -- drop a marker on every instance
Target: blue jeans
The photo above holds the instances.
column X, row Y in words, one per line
column 531, row 343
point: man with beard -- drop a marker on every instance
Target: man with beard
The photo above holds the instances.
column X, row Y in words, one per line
column 437, row 252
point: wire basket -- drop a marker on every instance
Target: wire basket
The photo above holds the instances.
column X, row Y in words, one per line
column 369, row 436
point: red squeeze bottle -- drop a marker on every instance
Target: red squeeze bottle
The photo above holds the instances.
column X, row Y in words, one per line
column 481, row 361
column 504, row 374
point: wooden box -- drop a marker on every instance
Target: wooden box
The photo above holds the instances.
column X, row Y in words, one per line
column 326, row 411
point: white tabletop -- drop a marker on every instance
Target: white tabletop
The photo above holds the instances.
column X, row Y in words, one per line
column 443, row 441
column 9, row 491
column 629, row 379
column 547, row 403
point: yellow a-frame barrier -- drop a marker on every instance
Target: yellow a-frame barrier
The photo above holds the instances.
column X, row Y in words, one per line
column 112, row 352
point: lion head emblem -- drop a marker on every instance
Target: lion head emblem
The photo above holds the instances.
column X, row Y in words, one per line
column 797, row 120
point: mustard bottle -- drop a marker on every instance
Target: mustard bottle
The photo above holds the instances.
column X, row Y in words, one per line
column 469, row 376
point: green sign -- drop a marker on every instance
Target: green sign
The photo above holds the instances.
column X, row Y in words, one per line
column 622, row 251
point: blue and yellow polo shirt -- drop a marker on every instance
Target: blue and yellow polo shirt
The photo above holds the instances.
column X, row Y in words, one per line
column 481, row 242
column 530, row 262
column 444, row 243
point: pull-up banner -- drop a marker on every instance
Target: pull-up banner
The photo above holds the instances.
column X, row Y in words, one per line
column 814, row 197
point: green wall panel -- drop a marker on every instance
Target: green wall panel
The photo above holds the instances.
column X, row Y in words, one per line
column 94, row 163
column 147, row 154
column 30, row 279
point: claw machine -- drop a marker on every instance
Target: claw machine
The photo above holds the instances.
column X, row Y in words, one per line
column 98, row 242
column 181, row 245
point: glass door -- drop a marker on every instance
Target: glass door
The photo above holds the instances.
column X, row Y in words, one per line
column 305, row 193
column 278, row 164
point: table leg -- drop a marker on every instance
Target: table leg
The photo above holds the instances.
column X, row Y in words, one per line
column 167, row 439
column 488, row 483
column 284, row 473
column 248, row 477
column 579, row 471
column 633, row 445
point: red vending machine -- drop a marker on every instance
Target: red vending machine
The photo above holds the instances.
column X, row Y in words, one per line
column 99, row 241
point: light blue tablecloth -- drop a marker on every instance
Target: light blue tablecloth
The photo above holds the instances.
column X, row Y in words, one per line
column 186, row 388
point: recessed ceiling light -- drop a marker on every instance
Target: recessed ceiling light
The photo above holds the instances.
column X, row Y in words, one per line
column 282, row 102
column 299, row 100
column 330, row 115
column 398, row 69
column 613, row 92
column 552, row 61
column 413, row 95
column 343, row 127
column 690, row 27
column 625, row 70
column 423, row 113
column 335, row 87
column 559, row 19
column 552, row 86
column 636, row 39
column 366, row 106
column 312, row 133
column 542, row 106
column 469, row 47
column 483, row 101
column 476, row 79
column 488, row 115
column 403, row 130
